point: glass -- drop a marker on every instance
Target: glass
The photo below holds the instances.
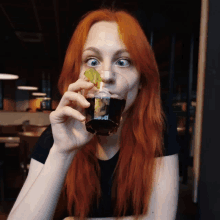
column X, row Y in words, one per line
column 107, row 103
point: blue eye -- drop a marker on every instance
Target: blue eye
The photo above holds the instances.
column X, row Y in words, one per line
column 124, row 62
column 93, row 62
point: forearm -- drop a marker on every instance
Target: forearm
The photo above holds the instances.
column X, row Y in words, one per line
column 41, row 200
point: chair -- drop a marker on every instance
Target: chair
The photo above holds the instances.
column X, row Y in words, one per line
column 10, row 130
column 35, row 128
column 27, row 143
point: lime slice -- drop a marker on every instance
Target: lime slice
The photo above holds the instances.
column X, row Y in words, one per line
column 93, row 76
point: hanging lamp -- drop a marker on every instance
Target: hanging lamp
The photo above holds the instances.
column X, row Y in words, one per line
column 29, row 82
column 8, row 76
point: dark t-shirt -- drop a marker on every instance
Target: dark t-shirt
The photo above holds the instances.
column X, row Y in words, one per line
column 45, row 142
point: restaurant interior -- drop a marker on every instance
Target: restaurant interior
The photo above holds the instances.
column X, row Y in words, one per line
column 33, row 40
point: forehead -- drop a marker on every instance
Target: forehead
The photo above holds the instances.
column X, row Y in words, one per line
column 104, row 32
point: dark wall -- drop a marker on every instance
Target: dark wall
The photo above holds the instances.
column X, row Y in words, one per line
column 209, row 185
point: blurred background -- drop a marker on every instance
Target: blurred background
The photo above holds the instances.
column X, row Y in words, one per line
column 34, row 38
column 35, row 35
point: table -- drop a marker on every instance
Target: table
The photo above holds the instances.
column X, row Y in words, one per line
column 4, row 141
column 28, row 140
column 9, row 139
column 30, row 133
column 17, row 139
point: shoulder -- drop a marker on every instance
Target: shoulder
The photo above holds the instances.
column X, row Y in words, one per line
column 168, row 163
column 42, row 147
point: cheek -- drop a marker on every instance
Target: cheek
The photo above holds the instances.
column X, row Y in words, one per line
column 82, row 70
column 132, row 95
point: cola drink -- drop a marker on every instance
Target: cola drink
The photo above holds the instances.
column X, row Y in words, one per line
column 103, row 115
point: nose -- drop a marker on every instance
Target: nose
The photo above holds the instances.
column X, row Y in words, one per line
column 108, row 77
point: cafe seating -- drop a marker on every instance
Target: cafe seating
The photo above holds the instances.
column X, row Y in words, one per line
column 7, row 131
column 10, row 130
column 20, row 150
column 27, row 143
column 34, row 128
column 28, row 139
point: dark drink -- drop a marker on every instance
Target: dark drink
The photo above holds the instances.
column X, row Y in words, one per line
column 103, row 115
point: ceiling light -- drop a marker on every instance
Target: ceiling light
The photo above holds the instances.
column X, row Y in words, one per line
column 38, row 94
column 43, row 98
column 27, row 88
column 7, row 76
column 46, row 98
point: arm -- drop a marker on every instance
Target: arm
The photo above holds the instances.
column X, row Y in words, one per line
column 41, row 200
column 164, row 200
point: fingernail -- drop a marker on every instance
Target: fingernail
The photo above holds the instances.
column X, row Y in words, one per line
column 82, row 117
column 87, row 103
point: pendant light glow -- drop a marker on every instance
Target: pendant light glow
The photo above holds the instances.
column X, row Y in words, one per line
column 27, row 88
column 38, row 94
column 43, row 98
column 7, row 76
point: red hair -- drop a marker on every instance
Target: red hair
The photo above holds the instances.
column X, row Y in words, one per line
column 142, row 133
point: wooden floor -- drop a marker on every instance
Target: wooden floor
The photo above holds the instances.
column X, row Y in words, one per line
column 186, row 208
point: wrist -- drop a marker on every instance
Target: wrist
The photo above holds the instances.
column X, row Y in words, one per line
column 63, row 156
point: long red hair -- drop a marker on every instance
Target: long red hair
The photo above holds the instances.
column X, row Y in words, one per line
column 142, row 133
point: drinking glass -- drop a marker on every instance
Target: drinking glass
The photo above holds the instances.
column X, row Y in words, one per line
column 107, row 103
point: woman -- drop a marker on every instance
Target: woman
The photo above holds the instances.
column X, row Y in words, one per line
column 126, row 174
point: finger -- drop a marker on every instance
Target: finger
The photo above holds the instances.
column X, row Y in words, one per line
column 85, row 78
column 74, row 99
column 79, row 85
column 67, row 112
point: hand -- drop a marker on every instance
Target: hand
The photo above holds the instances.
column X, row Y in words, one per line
column 68, row 128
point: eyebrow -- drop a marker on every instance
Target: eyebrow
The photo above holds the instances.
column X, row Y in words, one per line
column 96, row 50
